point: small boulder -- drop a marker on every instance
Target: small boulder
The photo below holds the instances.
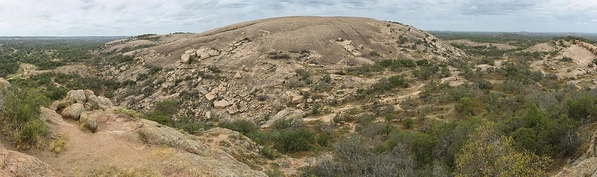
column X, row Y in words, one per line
column 305, row 91
column 54, row 105
column 88, row 93
column 73, row 111
column 88, row 106
column 191, row 52
column 297, row 99
column 221, row 104
column 210, row 96
column 238, row 76
column 208, row 114
column 212, row 52
column 89, row 122
column 185, row 58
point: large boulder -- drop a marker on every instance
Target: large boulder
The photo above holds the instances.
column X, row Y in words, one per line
column 18, row 164
column 73, row 111
column 76, row 96
column 89, row 121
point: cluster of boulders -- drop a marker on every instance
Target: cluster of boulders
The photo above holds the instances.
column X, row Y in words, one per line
column 77, row 102
column 201, row 53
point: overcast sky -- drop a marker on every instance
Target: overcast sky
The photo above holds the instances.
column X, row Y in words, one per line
column 134, row 17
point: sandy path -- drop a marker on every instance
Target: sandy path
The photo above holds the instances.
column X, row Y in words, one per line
column 87, row 151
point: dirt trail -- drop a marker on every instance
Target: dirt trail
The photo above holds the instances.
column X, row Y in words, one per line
column 112, row 146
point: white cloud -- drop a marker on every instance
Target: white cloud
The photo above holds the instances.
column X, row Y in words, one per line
column 473, row 7
column 594, row 20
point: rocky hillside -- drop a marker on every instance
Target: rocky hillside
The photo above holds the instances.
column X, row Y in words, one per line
column 92, row 137
column 254, row 69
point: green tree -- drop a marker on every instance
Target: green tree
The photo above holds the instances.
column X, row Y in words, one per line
column 421, row 146
column 167, row 107
column 465, row 106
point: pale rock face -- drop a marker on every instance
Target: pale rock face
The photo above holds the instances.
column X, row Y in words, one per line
column 221, row 104
column 73, row 111
column 238, row 75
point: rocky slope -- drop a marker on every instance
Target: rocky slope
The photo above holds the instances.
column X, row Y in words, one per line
column 249, row 70
column 108, row 137
column 92, row 137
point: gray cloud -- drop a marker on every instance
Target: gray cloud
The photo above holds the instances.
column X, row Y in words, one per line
column 133, row 17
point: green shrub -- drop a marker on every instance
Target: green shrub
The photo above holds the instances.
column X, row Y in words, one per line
column 32, row 134
column 167, row 107
column 243, row 126
column 269, row 153
column 158, row 117
column 408, row 123
column 274, row 172
column 21, row 110
column 295, row 140
column 285, row 123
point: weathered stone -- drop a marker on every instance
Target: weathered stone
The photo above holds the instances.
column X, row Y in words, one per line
column 305, row 91
column 20, row 164
column 51, row 116
column 88, row 106
column 99, row 102
column 89, row 121
column 295, row 98
column 88, row 93
column 221, row 104
column 73, row 111
column 238, row 76
column 191, row 52
column 185, row 58
column 54, row 105
column 210, row 96
column 208, row 114
column 212, row 52
column 76, row 96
